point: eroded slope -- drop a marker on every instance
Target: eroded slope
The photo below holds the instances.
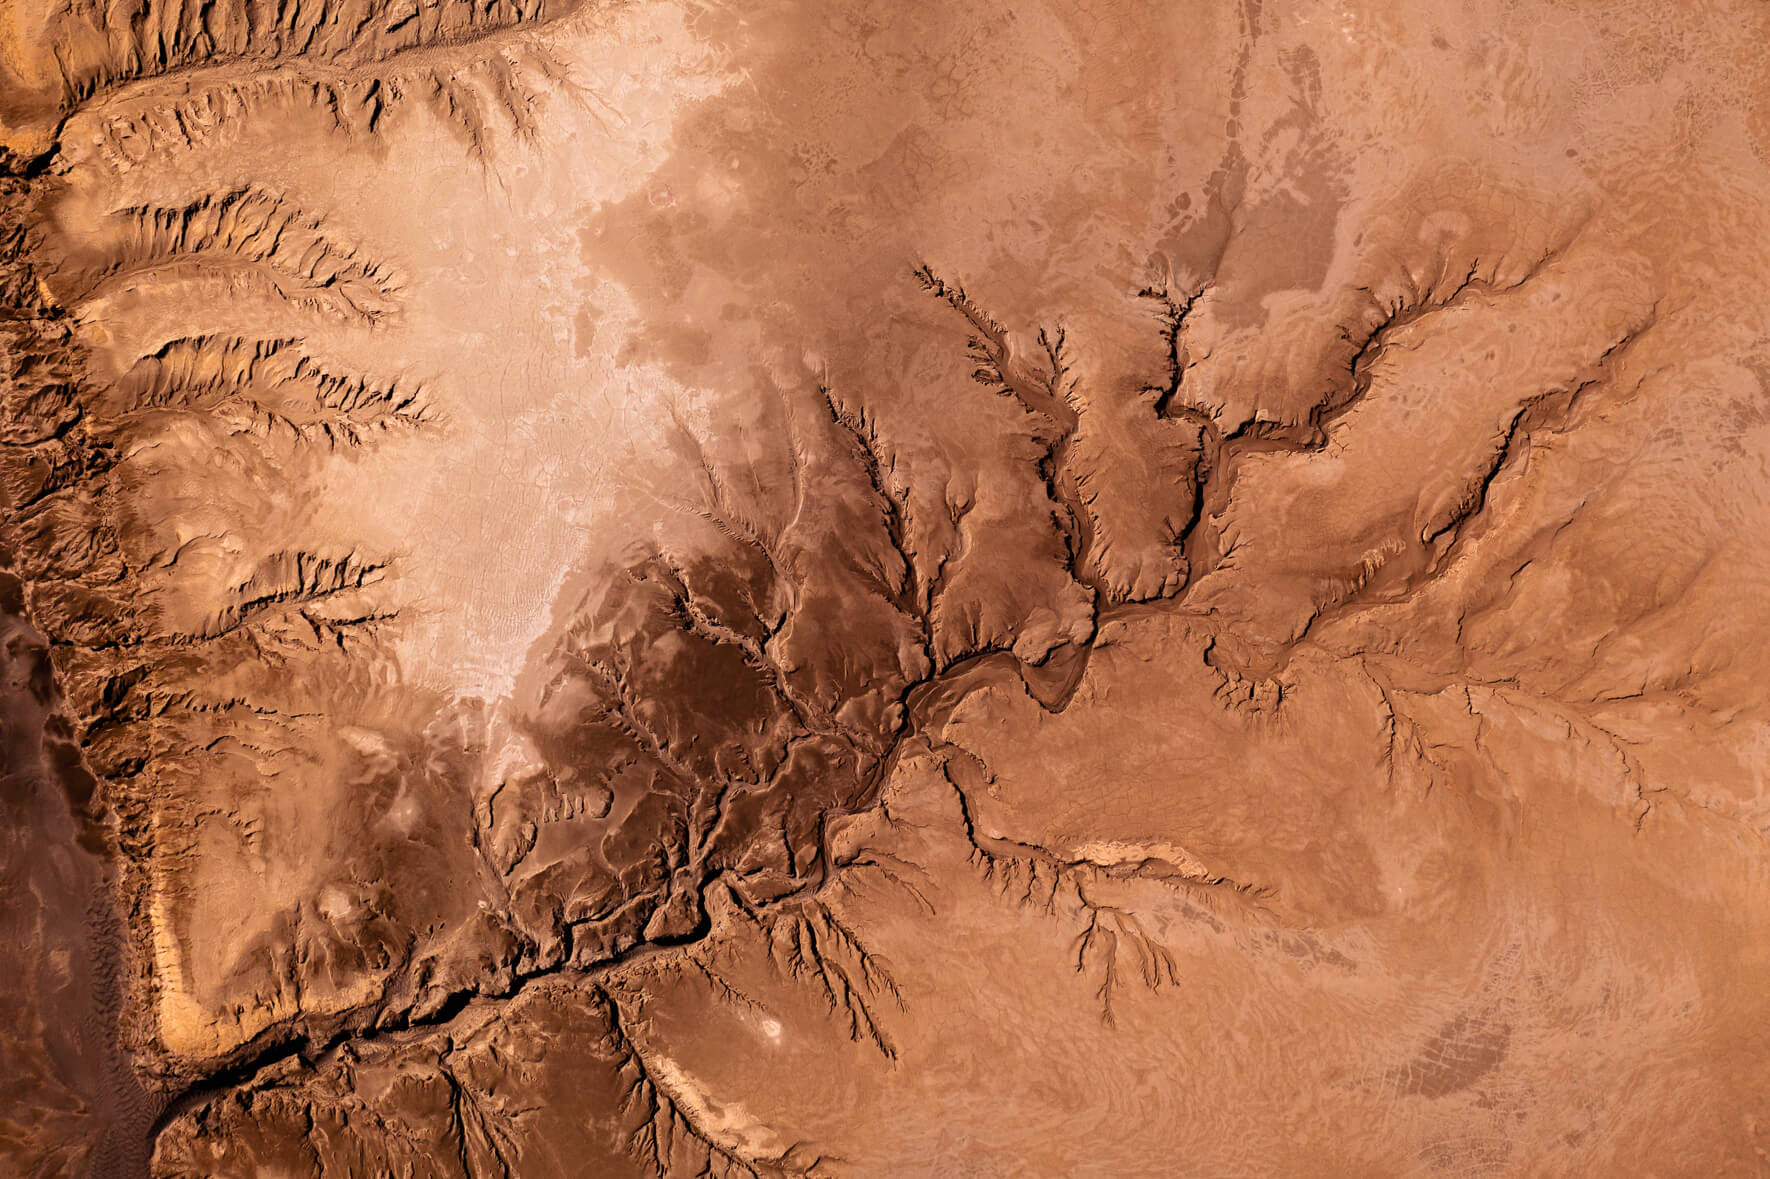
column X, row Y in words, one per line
column 883, row 591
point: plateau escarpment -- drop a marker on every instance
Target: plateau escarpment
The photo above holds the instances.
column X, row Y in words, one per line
column 649, row 589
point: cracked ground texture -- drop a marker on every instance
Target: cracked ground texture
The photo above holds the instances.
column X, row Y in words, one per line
column 691, row 588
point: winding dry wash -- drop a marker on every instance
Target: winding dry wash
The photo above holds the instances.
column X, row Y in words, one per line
column 882, row 588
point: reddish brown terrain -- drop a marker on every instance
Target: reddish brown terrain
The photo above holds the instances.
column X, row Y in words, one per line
column 876, row 588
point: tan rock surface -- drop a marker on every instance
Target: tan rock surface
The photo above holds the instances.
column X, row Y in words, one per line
column 878, row 589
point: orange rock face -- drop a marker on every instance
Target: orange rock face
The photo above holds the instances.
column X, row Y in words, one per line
column 884, row 589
